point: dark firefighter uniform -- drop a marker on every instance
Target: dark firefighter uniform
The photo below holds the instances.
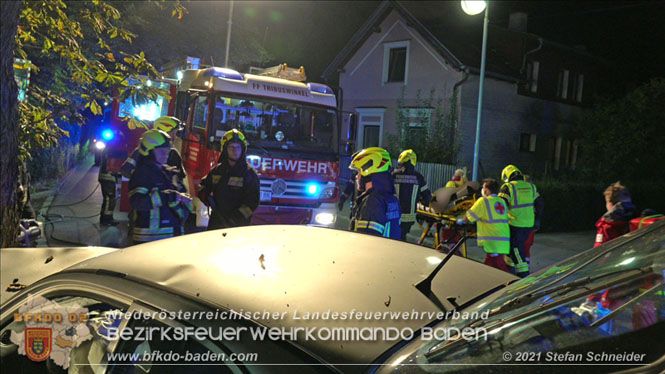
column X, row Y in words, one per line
column 107, row 181
column 377, row 209
column 523, row 201
column 233, row 192
column 167, row 124
column 153, row 195
column 411, row 188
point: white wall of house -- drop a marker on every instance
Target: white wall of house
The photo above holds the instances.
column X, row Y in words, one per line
column 506, row 115
column 363, row 76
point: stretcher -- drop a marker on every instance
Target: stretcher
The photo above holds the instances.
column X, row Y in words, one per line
column 448, row 205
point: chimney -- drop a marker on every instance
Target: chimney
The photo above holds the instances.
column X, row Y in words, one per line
column 518, row 21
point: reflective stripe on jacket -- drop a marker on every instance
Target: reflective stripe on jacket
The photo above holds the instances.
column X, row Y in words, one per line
column 491, row 216
column 156, row 211
column 520, row 196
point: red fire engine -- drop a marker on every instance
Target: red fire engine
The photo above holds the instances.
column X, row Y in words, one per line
column 292, row 130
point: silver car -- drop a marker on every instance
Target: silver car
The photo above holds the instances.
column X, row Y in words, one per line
column 307, row 299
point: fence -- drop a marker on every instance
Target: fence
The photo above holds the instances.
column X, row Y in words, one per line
column 436, row 175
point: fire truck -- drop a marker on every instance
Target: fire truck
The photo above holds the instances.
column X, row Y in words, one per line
column 118, row 140
column 292, row 131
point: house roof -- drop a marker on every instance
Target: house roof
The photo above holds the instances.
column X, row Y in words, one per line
column 457, row 39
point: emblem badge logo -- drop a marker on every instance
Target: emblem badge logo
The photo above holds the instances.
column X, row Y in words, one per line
column 278, row 187
column 38, row 343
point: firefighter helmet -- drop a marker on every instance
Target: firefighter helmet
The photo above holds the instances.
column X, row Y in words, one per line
column 152, row 139
column 510, row 171
column 166, row 124
column 234, row 136
column 370, row 161
column 407, row 155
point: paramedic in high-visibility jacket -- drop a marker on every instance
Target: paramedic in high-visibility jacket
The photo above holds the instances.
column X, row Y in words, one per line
column 490, row 213
column 158, row 208
column 411, row 188
column 232, row 188
column 377, row 211
column 522, row 198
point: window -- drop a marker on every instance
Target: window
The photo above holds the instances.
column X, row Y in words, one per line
column 274, row 124
column 395, row 62
column 370, row 126
column 527, row 142
column 532, row 75
column 571, row 153
column 579, row 87
column 562, row 88
column 417, row 117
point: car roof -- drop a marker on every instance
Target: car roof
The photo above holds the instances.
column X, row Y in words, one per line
column 23, row 266
column 298, row 269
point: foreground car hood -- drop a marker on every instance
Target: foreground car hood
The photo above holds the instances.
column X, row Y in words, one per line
column 300, row 269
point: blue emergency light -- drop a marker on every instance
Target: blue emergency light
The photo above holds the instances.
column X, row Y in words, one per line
column 107, row 134
column 312, row 188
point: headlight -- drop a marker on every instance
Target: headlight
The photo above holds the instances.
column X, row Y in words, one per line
column 324, row 218
column 328, row 193
column 100, row 145
column 204, row 211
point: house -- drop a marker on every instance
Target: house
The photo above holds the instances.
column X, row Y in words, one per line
column 533, row 88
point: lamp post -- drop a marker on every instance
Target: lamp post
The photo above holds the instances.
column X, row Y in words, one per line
column 471, row 7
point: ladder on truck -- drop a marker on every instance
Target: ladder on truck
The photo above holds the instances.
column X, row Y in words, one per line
column 281, row 71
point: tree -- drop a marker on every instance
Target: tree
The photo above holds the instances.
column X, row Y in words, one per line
column 8, row 126
column 623, row 139
column 431, row 133
column 76, row 47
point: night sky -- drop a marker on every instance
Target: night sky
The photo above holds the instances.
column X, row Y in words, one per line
column 311, row 33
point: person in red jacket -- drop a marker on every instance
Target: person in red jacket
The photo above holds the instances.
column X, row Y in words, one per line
column 620, row 208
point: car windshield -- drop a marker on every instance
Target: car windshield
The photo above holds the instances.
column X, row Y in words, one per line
column 278, row 124
column 618, row 295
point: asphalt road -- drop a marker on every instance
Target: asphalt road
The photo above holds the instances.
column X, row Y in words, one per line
column 71, row 217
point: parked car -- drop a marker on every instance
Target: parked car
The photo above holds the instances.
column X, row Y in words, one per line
column 376, row 299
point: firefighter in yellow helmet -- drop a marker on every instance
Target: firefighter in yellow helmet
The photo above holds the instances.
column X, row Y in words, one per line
column 232, row 188
column 377, row 211
column 170, row 125
column 159, row 210
column 523, row 203
column 411, row 188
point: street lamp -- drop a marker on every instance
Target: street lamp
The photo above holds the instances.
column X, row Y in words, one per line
column 471, row 8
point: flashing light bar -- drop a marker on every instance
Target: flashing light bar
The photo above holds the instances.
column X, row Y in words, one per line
column 222, row 73
column 320, row 88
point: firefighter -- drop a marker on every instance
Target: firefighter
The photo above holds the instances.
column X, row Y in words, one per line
column 377, row 209
column 536, row 226
column 169, row 125
column 348, row 193
column 521, row 198
column 493, row 232
column 159, row 209
column 107, row 181
column 459, row 179
column 232, row 188
column 411, row 188
column 620, row 210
